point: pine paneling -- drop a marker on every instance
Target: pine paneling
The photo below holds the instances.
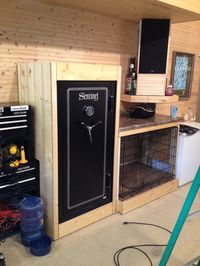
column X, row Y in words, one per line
column 37, row 87
column 31, row 31
column 133, row 10
column 192, row 5
column 185, row 37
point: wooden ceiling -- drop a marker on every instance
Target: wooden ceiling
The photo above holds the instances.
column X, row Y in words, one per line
column 134, row 10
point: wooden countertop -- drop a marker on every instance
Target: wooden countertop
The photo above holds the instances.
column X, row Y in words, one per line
column 129, row 126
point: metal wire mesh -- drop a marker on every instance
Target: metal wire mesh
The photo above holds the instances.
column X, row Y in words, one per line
column 147, row 160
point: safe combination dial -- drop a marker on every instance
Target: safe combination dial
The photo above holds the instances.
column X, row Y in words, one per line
column 88, row 110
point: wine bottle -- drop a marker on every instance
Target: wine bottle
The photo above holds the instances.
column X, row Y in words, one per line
column 130, row 86
column 133, row 84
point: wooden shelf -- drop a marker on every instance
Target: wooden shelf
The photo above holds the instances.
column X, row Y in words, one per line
column 149, row 99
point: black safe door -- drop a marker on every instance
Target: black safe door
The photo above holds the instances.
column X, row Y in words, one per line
column 85, row 145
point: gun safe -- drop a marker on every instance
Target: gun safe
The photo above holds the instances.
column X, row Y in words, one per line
column 86, row 113
column 76, row 110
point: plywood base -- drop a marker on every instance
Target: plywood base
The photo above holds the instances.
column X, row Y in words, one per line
column 147, row 196
column 85, row 219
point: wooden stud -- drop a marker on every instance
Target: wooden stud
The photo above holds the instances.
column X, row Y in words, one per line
column 116, row 143
column 54, row 149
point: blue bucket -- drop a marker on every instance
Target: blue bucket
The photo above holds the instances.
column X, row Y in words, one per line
column 31, row 209
column 29, row 225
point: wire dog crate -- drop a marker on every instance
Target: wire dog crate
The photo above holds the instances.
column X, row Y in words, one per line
column 147, row 160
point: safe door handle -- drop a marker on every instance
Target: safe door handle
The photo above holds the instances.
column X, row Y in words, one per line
column 89, row 129
column 96, row 124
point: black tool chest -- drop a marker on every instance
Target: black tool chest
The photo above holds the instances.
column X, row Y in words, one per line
column 19, row 172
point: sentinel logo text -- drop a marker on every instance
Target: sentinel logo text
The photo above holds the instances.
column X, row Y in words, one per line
column 88, row 96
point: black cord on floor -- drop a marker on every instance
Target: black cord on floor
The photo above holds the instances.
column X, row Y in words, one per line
column 149, row 224
column 137, row 247
column 131, row 247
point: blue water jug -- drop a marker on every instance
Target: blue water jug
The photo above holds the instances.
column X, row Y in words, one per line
column 31, row 208
column 31, row 219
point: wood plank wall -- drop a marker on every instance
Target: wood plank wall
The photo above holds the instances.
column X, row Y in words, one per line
column 31, row 31
column 185, row 37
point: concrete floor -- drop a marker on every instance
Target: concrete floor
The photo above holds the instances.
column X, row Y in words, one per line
column 96, row 244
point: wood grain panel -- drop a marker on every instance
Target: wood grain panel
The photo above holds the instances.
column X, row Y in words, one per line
column 134, row 10
column 192, row 5
column 147, row 196
column 185, row 37
column 151, row 84
column 35, row 90
column 77, row 71
column 54, row 150
column 85, row 219
column 31, row 31
column 38, row 87
column 135, row 131
column 149, row 99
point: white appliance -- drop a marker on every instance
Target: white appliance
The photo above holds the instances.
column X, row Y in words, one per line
column 188, row 155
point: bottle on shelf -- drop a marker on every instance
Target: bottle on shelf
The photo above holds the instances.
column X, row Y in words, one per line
column 131, row 77
column 189, row 115
column 133, row 84
column 169, row 90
